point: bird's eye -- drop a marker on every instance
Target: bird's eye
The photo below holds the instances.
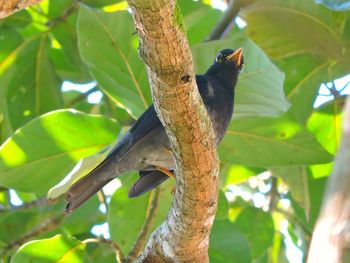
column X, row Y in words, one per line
column 218, row 57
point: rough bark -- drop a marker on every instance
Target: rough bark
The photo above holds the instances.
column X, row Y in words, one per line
column 8, row 7
column 184, row 235
column 331, row 239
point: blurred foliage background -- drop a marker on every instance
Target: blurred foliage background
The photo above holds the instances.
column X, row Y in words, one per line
column 71, row 80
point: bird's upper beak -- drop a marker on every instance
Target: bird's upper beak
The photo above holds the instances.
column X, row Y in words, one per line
column 236, row 57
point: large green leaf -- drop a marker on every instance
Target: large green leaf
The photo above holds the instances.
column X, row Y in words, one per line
column 263, row 142
column 9, row 40
column 56, row 249
column 109, row 48
column 315, row 29
column 304, row 75
column 126, row 216
column 228, row 244
column 42, row 152
column 258, row 228
column 66, row 57
column 32, row 88
column 259, row 90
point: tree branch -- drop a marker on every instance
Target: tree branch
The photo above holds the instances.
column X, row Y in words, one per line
column 331, row 239
column 184, row 236
column 227, row 20
column 25, row 206
column 8, row 7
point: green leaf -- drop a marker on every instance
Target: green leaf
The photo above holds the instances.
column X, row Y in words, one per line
column 304, row 75
column 222, row 210
column 66, row 57
column 272, row 142
column 42, row 152
column 227, row 244
column 297, row 180
column 127, row 215
column 9, row 40
column 32, row 86
column 14, row 225
column 314, row 28
column 325, row 123
column 56, row 249
column 259, row 91
column 110, row 51
column 258, row 228
column 237, row 174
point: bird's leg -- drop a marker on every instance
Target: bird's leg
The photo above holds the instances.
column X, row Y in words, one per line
column 165, row 171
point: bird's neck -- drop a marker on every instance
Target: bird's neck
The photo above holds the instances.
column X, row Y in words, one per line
column 225, row 75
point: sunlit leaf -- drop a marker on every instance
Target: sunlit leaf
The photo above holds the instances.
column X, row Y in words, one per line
column 325, row 123
column 109, row 48
column 32, row 87
column 59, row 248
column 272, row 142
column 314, row 28
column 42, row 152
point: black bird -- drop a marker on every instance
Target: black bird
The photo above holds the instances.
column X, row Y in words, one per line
column 146, row 148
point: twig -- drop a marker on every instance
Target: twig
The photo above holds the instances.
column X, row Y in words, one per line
column 294, row 219
column 141, row 239
column 227, row 20
column 70, row 10
column 118, row 252
column 273, row 194
column 36, row 203
column 103, row 199
column 48, row 225
column 80, row 97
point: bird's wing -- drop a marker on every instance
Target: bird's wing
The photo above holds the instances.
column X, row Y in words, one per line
column 147, row 125
column 148, row 180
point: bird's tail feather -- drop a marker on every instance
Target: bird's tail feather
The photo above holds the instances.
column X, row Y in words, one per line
column 86, row 187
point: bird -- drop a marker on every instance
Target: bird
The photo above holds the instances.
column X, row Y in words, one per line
column 146, row 147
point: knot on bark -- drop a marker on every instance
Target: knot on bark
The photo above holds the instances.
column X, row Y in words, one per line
column 186, row 78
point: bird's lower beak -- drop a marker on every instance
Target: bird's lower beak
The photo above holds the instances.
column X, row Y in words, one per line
column 236, row 56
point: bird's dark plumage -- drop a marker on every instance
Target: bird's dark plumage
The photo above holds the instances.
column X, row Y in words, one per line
column 146, row 148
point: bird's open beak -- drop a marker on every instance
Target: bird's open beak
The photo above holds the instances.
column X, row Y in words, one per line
column 236, row 57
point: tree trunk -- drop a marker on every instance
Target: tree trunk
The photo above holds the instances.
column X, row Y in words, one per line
column 184, row 235
column 331, row 239
column 8, row 7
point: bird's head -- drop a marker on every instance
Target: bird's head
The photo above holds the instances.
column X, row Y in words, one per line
column 228, row 62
